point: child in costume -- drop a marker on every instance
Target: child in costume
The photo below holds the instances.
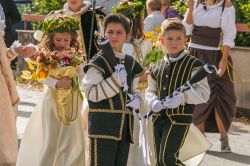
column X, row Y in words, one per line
column 138, row 47
column 173, row 116
column 110, row 90
column 54, row 134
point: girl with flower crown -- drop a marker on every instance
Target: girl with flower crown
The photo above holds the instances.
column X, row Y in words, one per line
column 54, row 134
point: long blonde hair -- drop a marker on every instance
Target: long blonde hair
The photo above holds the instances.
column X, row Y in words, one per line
column 210, row 2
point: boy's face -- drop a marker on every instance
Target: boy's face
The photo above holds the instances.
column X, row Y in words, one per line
column 116, row 35
column 75, row 5
column 174, row 41
column 62, row 40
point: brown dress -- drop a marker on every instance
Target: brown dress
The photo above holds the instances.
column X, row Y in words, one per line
column 8, row 100
column 222, row 97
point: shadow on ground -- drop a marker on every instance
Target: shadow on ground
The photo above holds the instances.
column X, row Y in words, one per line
column 240, row 158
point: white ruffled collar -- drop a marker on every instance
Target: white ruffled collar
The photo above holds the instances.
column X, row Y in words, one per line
column 120, row 55
column 171, row 59
column 86, row 6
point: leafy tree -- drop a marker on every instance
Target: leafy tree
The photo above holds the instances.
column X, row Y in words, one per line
column 242, row 16
column 46, row 6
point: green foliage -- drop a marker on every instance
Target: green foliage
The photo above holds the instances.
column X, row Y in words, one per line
column 242, row 16
column 24, row 8
column 242, row 39
column 132, row 9
column 180, row 7
column 61, row 24
column 153, row 56
column 242, row 10
column 46, row 6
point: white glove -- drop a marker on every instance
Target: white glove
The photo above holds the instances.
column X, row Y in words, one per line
column 134, row 102
column 121, row 75
column 175, row 101
column 157, row 106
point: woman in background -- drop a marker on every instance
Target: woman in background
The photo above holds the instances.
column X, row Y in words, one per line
column 208, row 21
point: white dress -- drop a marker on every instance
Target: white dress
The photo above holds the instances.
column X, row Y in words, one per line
column 137, row 153
column 47, row 141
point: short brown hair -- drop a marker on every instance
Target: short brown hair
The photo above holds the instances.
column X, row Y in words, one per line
column 117, row 19
column 154, row 4
column 172, row 24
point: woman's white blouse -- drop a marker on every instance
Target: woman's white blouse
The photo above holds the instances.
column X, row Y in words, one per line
column 214, row 18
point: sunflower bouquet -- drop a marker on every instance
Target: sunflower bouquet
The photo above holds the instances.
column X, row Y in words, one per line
column 157, row 52
column 59, row 64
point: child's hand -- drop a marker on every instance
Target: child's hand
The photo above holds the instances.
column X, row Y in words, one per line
column 26, row 52
column 222, row 67
column 19, row 49
column 174, row 101
column 64, row 83
column 157, row 106
column 134, row 102
column 121, row 73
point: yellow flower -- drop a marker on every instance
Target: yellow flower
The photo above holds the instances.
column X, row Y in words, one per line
column 31, row 65
column 42, row 73
column 149, row 35
column 26, row 75
column 34, row 76
column 158, row 30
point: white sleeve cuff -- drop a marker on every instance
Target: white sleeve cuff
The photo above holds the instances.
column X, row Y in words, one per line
column 33, row 46
column 13, row 47
column 228, row 43
column 189, row 27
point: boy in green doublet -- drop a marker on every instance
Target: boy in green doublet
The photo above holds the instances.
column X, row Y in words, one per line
column 173, row 116
column 110, row 90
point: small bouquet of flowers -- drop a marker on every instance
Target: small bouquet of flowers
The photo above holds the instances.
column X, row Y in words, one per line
column 59, row 64
column 156, row 52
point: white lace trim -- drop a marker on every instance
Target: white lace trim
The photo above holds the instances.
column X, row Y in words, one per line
column 86, row 6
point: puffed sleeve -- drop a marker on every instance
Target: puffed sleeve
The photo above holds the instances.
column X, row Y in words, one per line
column 96, row 88
column 189, row 27
column 228, row 26
column 199, row 93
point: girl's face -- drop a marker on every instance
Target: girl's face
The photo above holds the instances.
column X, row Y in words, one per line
column 75, row 5
column 62, row 40
column 174, row 41
column 116, row 35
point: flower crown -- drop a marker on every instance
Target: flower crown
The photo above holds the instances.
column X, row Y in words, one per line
column 129, row 8
column 59, row 24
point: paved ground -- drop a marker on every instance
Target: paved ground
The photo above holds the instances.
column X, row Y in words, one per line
column 239, row 134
